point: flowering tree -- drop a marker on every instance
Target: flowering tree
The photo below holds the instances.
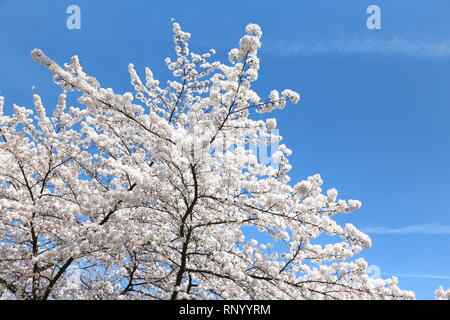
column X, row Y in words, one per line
column 151, row 195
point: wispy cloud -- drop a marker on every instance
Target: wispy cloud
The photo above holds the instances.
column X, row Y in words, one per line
column 393, row 46
column 414, row 229
column 417, row 275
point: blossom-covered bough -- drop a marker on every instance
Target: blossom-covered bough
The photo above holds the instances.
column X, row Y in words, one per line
column 148, row 195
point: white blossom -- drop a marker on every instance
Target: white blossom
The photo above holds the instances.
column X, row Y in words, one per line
column 442, row 294
column 148, row 195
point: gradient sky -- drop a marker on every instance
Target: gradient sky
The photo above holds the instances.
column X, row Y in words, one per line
column 375, row 107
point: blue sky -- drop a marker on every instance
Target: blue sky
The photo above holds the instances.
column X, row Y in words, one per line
column 375, row 107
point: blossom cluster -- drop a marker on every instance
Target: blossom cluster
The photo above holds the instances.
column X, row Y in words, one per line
column 112, row 191
column 442, row 294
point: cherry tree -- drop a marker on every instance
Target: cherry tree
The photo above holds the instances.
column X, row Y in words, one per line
column 154, row 194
